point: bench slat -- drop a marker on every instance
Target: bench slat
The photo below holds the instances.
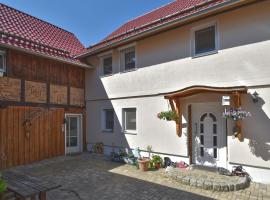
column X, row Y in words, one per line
column 31, row 181
column 21, row 189
column 27, row 186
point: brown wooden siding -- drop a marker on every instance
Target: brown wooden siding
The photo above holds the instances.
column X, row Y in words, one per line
column 36, row 91
column 44, row 140
column 33, row 68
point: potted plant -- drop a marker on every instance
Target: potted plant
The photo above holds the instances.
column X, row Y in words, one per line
column 3, row 186
column 143, row 164
column 236, row 114
column 157, row 161
column 168, row 115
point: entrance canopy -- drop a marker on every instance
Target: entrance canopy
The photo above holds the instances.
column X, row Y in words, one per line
column 188, row 91
column 175, row 97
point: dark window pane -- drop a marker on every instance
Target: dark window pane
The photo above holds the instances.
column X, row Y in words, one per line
column 130, row 119
column 73, row 126
column 214, row 141
column 107, row 66
column 205, row 40
column 1, row 62
column 67, row 141
column 201, row 128
column 215, row 152
column 73, row 141
column 202, row 151
column 213, row 117
column 109, row 119
column 203, row 117
column 129, row 60
column 214, row 129
column 202, row 139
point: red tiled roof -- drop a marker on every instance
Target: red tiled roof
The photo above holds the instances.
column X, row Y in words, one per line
column 160, row 16
column 21, row 30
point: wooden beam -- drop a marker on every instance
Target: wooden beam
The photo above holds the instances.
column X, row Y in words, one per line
column 179, row 113
column 190, row 134
column 237, row 104
column 189, row 91
column 172, row 104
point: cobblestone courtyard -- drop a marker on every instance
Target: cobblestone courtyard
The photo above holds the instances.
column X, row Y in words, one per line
column 85, row 177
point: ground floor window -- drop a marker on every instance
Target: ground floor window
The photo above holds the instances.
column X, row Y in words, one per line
column 108, row 120
column 129, row 119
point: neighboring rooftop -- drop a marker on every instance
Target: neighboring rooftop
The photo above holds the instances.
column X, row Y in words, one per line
column 171, row 12
column 23, row 31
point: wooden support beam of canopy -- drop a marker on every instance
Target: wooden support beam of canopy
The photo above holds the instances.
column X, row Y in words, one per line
column 174, row 99
column 237, row 104
column 175, row 105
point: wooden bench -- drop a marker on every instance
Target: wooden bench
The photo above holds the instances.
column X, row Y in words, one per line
column 24, row 186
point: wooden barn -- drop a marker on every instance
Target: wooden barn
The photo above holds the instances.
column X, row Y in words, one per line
column 42, row 107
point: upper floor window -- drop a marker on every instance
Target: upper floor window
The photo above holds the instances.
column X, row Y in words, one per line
column 205, row 40
column 129, row 120
column 2, row 61
column 107, row 68
column 128, row 59
column 108, row 120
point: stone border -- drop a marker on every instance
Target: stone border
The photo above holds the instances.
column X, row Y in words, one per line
column 221, row 186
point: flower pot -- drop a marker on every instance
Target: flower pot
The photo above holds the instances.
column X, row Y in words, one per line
column 157, row 165
column 143, row 164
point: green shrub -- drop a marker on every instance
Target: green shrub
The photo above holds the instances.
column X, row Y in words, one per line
column 3, row 185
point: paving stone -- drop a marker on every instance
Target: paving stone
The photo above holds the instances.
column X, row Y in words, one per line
column 193, row 182
column 186, row 180
column 207, row 185
column 224, row 187
column 88, row 176
column 231, row 186
column 200, row 183
column 216, row 186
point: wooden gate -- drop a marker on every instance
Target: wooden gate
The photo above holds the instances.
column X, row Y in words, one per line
column 29, row 134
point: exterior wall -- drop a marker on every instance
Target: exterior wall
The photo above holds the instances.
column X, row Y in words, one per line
column 150, row 131
column 165, row 64
column 35, row 94
column 164, row 61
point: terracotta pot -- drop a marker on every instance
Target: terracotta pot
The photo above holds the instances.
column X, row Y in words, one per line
column 157, row 165
column 143, row 164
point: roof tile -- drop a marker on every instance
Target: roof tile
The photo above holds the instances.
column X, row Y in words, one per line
column 25, row 31
column 165, row 14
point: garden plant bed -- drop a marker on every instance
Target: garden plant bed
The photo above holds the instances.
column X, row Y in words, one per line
column 208, row 180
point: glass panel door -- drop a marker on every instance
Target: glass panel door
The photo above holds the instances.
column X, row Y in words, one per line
column 73, row 133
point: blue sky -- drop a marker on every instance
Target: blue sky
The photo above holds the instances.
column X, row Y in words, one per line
column 89, row 20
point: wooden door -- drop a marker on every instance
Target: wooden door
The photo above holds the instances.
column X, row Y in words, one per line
column 29, row 134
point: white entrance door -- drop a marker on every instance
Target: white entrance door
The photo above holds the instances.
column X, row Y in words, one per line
column 209, row 136
column 73, row 133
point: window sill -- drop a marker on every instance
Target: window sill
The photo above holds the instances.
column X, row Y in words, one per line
column 130, row 132
column 107, row 75
column 205, row 54
column 130, row 70
column 107, row 131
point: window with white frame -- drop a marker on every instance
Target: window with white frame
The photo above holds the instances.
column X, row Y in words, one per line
column 205, row 40
column 129, row 119
column 106, row 64
column 2, row 61
column 128, row 59
column 108, row 120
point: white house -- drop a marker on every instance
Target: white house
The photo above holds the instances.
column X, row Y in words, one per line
column 186, row 56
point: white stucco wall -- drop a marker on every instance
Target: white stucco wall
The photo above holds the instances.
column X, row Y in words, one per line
column 164, row 61
column 164, row 64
